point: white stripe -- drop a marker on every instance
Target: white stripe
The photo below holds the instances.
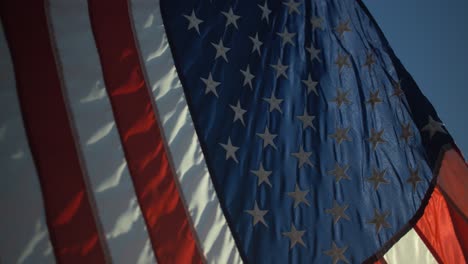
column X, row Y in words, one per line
column 210, row 225
column 410, row 249
column 117, row 206
column 23, row 230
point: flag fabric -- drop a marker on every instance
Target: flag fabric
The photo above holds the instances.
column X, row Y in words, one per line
column 209, row 131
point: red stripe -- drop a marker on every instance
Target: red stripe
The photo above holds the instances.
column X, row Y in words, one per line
column 437, row 231
column 164, row 212
column 72, row 226
column 429, row 246
column 381, row 261
column 453, row 180
column 460, row 225
column 453, row 183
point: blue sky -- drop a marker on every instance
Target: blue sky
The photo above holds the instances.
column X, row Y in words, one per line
column 431, row 39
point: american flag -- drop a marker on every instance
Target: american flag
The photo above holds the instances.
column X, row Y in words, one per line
column 210, row 131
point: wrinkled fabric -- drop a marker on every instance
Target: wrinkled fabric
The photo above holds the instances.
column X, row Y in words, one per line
column 196, row 60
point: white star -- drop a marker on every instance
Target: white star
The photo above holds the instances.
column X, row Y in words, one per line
column 231, row 18
column 292, row 6
column 378, row 177
column 256, row 44
column 341, row 97
column 303, row 157
column 338, row 211
column 397, row 91
column 287, row 37
column 280, row 69
column 433, row 127
column 406, row 132
column 258, row 215
column 376, row 138
column 374, row 99
column 379, row 220
column 306, row 120
column 262, row 175
column 340, row 172
column 337, row 253
column 238, row 112
column 248, row 76
column 210, row 85
column 220, row 50
column 341, row 134
column 313, row 53
column 316, row 23
column 194, row 22
column 342, row 61
column 265, row 11
column 295, row 236
column 369, row 60
column 274, row 103
column 311, row 85
column 414, row 178
column 267, row 138
column 230, row 150
column 342, row 28
column 299, row 196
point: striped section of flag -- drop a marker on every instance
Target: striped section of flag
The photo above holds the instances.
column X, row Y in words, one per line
column 112, row 186
column 101, row 161
column 73, row 228
column 142, row 140
column 410, row 248
column 24, row 232
column 213, row 233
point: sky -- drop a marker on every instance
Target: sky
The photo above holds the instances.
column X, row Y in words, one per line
column 430, row 37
